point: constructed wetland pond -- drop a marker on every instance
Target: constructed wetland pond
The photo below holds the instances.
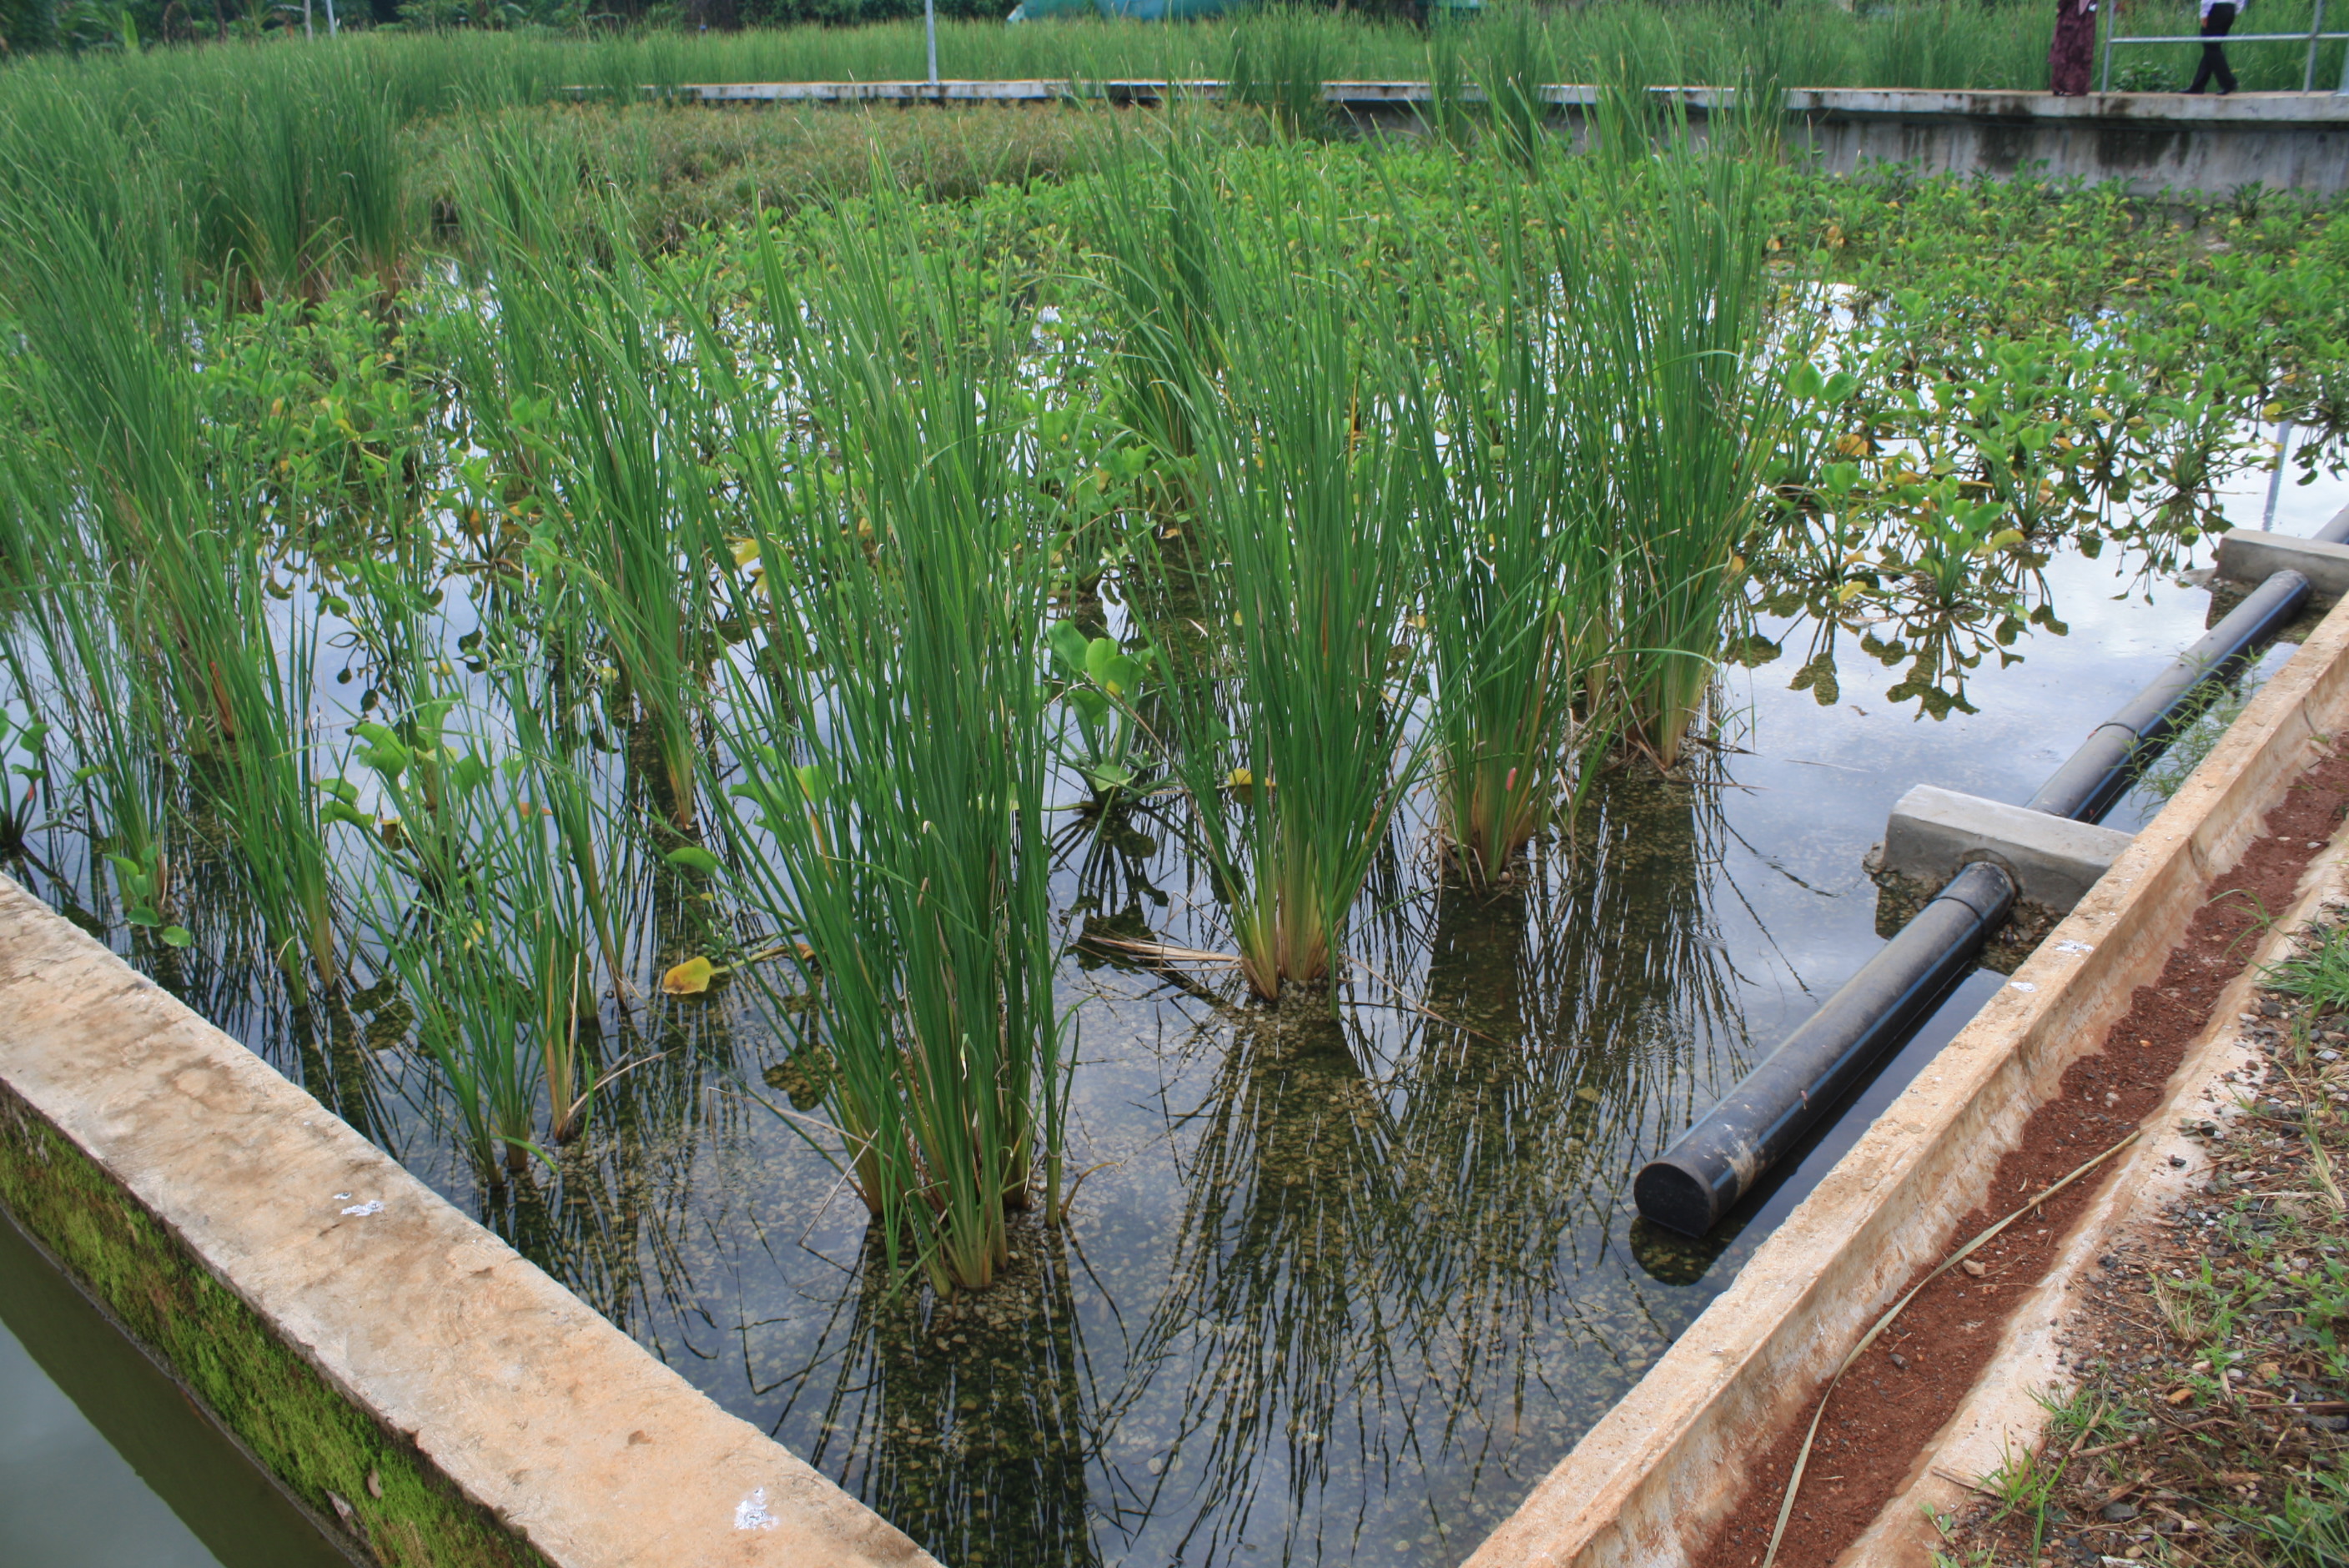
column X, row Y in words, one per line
column 548, row 836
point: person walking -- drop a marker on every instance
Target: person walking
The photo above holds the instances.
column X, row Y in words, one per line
column 2074, row 49
column 2217, row 17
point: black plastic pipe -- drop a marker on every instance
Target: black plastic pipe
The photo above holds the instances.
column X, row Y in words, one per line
column 1708, row 1168
column 1695, row 1181
column 2099, row 773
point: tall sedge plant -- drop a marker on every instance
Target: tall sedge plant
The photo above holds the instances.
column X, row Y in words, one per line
column 479, row 906
column 1291, row 743
column 1675, row 401
column 1517, row 577
column 896, row 767
column 1514, row 67
column 1281, row 62
column 1154, row 218
column 572, row 369
column 174, row 534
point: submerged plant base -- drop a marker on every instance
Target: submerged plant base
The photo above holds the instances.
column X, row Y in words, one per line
column 393, row 1508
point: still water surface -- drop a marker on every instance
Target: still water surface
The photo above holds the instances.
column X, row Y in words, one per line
column 1333, row 1289
column 103, row 1464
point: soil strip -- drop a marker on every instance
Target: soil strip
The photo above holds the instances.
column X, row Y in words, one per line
column 1906, row 1386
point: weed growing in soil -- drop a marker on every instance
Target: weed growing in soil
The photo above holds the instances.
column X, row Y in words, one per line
column 2210, row 1424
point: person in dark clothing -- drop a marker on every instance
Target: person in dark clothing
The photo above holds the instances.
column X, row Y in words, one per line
column 2217, row 16
column 2073, row 48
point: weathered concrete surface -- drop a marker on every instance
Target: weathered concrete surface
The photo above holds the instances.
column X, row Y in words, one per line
column 1933, row 833
column 1651, row 1482
column 520, row 1395
column 2003, row 1415
column 2151, row 141
column 2247, row 556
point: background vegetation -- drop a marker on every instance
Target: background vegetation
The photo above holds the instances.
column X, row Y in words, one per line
column 515, row 52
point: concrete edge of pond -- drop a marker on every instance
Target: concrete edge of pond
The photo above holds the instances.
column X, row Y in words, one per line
column 2002, row 1414
column 2151, row 144
column 1648, row 1484
column 2284, row 109
column 511, row 1390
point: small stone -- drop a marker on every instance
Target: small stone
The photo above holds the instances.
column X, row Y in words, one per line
column 1899, row 1361
column 2178, row 1162
column 375, row 1482
column 1973, row 1268
column 2118, row 1511
column 2108, row 1262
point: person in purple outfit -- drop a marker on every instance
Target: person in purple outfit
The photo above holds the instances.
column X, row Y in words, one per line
column 2074, row 47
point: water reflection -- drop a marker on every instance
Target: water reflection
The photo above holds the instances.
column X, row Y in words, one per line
column 968, row 1424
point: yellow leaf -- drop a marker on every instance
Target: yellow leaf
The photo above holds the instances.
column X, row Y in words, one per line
column 690, row 978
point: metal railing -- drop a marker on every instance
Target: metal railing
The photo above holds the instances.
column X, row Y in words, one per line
column 2314, row 36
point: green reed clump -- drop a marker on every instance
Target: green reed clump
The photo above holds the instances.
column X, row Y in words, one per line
column 1154, row 214
column 1448, row 117
column 1299, row 583
column 1675, row 401
column 295, row 182
column 166, row 523
column 486, row 904
column 572, row 382
column 1516, row 576
column 1281, row 62
column 894, row 744
column 1514, row 64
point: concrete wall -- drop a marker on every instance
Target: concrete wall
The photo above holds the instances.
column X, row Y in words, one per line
column 2152, row 141
column 428, row 1393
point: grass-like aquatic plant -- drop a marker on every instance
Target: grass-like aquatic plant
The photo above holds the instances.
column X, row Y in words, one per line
column 575, row 372
column 1516, row 576
column 1513, row 67
column 1281, row 62
column 1675, row 402
column 895, row 758
column 483, row 906
column 169, row 527
column 1292, row 740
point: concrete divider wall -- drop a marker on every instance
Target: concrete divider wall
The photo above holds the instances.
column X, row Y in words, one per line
column 1648, row 1485
column 2150, row 142
column 428, row 1393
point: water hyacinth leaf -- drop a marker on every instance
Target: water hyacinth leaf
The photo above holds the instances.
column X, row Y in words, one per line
column 693, row 858
column 383, row 752
column 1069, row 645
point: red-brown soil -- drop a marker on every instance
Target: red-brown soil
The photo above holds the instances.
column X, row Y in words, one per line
column 1897, row 1395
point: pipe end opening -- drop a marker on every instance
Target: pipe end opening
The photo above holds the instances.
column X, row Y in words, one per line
column 1674, row 1198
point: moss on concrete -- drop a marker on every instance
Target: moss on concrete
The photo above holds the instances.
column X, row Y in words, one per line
column 387, row 1499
